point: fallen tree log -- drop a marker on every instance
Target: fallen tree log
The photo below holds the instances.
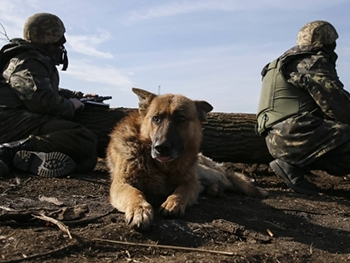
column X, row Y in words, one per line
column 231, row 137
column 227, row 137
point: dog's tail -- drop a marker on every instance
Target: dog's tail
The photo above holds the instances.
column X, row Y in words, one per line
column 215, row 180
column 242, row 184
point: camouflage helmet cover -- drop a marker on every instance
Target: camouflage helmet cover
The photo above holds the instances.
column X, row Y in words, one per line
column 43, row 28
column 317, row 34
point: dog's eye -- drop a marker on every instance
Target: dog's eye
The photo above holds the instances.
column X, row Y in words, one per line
column 156, row 119
column 180, row 119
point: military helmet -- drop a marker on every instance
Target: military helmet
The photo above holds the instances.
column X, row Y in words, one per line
column 317, row 33
column 43, row 28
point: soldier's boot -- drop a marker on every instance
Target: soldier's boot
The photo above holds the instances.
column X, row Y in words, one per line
column 19, row 155
column 7, row 152
column 293, row 176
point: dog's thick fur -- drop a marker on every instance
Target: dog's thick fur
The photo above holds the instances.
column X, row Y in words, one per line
column 154, row 161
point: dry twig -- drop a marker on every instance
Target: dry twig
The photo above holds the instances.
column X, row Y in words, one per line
column 61, row 226
column 166, row 247
column 89, row 220
column 40, row 254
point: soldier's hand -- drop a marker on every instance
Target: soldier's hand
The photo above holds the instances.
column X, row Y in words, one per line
column 90, row 95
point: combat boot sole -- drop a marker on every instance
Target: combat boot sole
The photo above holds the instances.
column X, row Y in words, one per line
column 304, row 187
column 53, row 164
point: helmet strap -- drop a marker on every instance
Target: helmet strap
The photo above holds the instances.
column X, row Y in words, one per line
column 330, row 50
column 57, row 53
column 64, row 60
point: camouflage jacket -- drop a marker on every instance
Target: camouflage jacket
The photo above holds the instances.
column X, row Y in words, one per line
column 317, row 75
column 303, row 137
column 30, row 96
column 31, row 82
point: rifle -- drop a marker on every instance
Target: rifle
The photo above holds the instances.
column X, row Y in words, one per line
column 96, row 101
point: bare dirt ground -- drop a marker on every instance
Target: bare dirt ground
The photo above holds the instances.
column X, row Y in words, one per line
column 285, row 227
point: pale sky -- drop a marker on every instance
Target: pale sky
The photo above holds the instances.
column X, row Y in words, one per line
column 210, row 50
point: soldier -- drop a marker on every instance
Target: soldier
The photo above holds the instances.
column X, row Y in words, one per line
column 36, row 134
column 304, row 111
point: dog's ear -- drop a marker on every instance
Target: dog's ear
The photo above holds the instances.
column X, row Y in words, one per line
column 145, row 98
column 203, row 108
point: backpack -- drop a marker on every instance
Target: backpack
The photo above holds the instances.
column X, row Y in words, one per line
column 8, row 51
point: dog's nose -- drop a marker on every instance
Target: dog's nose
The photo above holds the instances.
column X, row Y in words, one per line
column 163, row 148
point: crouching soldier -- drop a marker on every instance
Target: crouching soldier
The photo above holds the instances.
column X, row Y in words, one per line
column 304, row 110
column 36, row 134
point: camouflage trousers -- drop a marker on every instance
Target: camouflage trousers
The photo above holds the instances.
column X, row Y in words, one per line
column 311, row 142
column 50, row 134
column 335, row 162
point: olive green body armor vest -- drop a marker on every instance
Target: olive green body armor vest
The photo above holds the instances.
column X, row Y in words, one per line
column 279, row 99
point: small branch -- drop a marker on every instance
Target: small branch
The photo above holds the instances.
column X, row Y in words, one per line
column 40, row 254
column 89, row 220
column 166, row 247
column 4, row 33
column 61, row 226
column 6, row 208
column 310, row 249
column 299, row 211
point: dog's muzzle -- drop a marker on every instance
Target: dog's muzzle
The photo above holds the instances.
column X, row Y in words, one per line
column 164, row 152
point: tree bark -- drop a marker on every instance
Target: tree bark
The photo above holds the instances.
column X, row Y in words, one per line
column 231, row 137
column 227, row 137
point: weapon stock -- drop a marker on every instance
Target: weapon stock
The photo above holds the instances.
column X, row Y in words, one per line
column 97, row 102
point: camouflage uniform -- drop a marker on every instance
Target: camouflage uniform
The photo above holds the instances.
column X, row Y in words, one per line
column 32, row 105
column 317, row 139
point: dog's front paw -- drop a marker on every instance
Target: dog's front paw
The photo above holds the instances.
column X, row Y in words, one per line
column 139, row 216
column 172, row 207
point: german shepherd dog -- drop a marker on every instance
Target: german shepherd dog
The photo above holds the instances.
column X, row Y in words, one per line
column 154, row 160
